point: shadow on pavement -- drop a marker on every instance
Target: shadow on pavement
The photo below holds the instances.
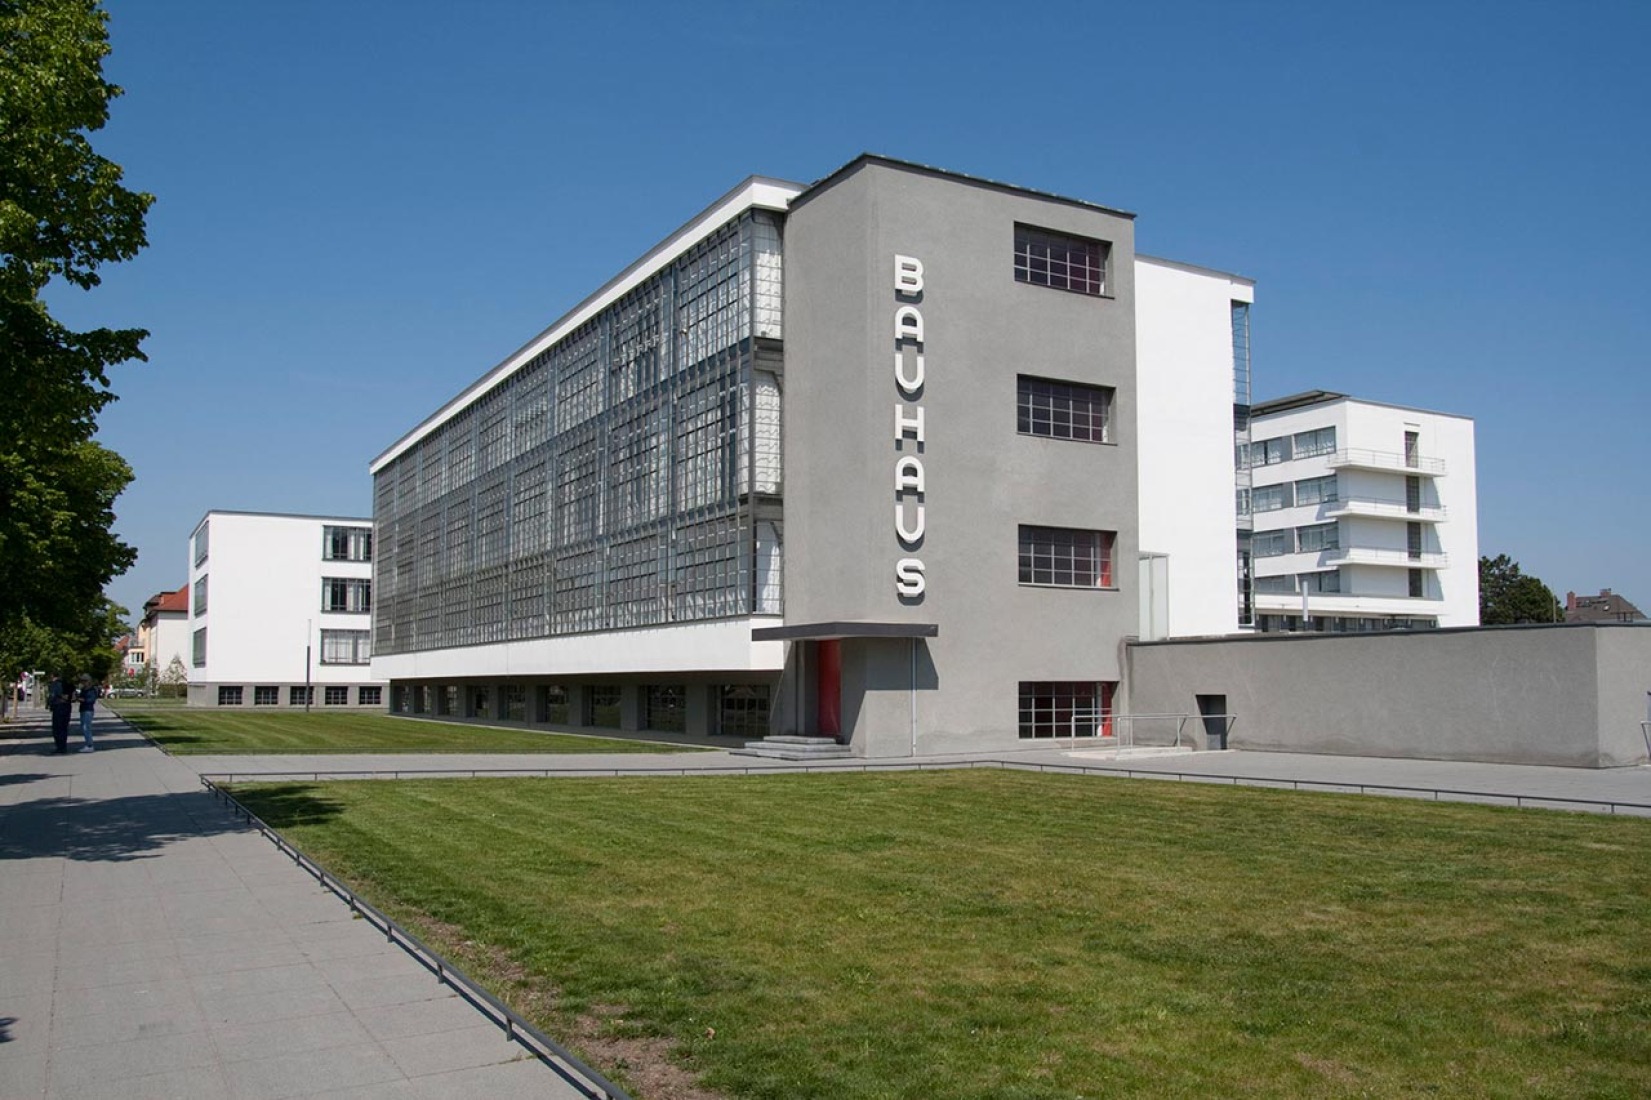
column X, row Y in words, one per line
column 130, row 827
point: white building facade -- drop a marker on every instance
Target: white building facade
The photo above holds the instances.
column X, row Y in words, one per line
column 1364, row 516
column 280, row 612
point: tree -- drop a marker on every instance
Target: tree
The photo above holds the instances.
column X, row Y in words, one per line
column 175, row 680
column 85, row 646
column 1507, row 595
column 63, row 214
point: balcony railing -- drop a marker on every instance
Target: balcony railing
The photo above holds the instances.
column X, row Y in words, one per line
column 1385, row 509
column 1404, row 559
column 1390, row 461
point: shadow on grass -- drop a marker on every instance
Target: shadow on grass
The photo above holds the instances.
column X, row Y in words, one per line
column 282, row 805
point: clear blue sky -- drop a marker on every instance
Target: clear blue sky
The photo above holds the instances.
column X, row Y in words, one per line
column 364, row 205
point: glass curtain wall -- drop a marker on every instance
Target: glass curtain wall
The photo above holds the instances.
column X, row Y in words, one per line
column 627, row 476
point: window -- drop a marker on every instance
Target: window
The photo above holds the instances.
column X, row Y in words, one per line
column 1412, row 493
column 346, row 544
column 1064, row 410
column 1412, row 449
column 1270, row 498
column 1063, row 708
column 1270, row 452
column 602, row 707
column 346, row 594
column 1321, row 441
column 1320, row 536
column 1329, row 581
column 1413, row 540
column 199, row 648
column 515, row 702
column 346, row 647
column 1418, row 584
column 481, row 700
column 447, row 700
column 1059, row 260
column 229, row 696
column 553, row 704
column 200, row 544
column 1242, row 500
column 667, row 708
column 1275, row 585
column 335, row 695
column 200, row 596
column 1316, row 490
column 370, row 696
column 266, row 696
column 300, row 696
column 743, row 710
column 1271, row 544
column 421, row 698
column 1066, row 557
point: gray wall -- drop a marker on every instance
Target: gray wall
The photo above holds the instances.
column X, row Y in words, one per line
column 1563, row 695
column 983, row 479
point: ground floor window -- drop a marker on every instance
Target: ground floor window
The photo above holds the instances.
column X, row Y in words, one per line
column 481, row 699
column 447, row 699
column 301, row 696
column 421, row 698
column 515, row 703
column 553, row 704
column 743, row 710
column 371, row 696
column 335, row 696
column 229, row 696
column 667, row 708
column 1066, row 708
column 602, row 707
column 266, row 696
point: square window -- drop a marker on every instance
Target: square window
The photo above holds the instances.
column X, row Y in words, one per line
column 300, row 696
column 229, row 696
column 266, row 696
column 335, row 695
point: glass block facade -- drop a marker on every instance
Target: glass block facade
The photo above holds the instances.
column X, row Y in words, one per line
column 628, row 475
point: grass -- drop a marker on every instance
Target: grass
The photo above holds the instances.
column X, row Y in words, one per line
column 181, row 730
column 984, row 934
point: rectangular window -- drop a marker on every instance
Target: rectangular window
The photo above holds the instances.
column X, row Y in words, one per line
column 200, row 596
column 667, row 708
column 346, row 544
column 370, row 696
column 1412, row 449
column 1066, row 557
column 1241, row 499
column 447, row 700
column 1270, row 452
column 199, row 648
column 1418, row 584
column 743, row 710
column 1320, row 536
column 1270, row 498
column 481, row 701
column 1064, row 410
column 1413, row 493
column 1060, row 260
column 200, row 543
column 229, row 696
column 335, row 695
column 346, row 647
column 1316, row 490
column 300, row 696
column 266, row 696
column 1276, row 585
column 1066, row 708
column 350, row 594
column 602, row 707
column 1328, row 581
column 553, row 704
column 1271, row 544
column 1321, row 441
column 515, row 702
column 1413, row 540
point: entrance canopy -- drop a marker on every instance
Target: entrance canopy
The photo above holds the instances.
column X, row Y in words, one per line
column 819, row 632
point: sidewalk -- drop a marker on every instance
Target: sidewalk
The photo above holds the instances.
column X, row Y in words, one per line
column 150, row 946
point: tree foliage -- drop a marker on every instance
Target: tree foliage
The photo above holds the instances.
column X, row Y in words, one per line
column 1507, row 595
column 86, row 643
column 63, row 214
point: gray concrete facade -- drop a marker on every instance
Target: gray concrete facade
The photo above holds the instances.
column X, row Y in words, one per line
column 1569, row 695
column 981, row 328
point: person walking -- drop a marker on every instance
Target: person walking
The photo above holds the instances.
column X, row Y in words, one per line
column 88, row 700
column 59, row 699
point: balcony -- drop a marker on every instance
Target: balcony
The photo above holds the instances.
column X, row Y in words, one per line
column 1391, row 462
column 1403, row 559
column 1372, row 508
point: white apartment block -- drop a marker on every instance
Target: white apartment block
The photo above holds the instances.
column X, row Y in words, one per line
column 1364, row 516
column 280, row 611
column 164, row 632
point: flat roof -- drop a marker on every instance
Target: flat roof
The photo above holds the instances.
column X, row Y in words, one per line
column 1309, row 398
column 366, row 521
column 1197, row 269
column 943, row 173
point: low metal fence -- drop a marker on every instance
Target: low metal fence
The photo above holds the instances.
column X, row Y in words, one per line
column 558, row 1058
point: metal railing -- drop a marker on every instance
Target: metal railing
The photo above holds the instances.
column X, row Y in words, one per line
column 1385, row 509
column 1120, row 729
column 1368, row 555
column 1386, row 460
column 559, row 1059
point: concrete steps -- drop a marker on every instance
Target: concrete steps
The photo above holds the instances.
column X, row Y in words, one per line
column 792, row 747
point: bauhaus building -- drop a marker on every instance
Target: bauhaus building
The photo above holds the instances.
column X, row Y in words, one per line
column 901, row 457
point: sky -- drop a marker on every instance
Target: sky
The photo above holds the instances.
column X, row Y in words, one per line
column 362, row 206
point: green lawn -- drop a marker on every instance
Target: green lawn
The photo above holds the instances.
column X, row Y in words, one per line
column 181, row 730
column 986, row 934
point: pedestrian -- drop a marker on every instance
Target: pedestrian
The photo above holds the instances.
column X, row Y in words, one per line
column 59, row 699
column 88, row 700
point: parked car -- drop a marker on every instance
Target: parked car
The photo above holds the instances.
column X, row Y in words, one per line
column 126, row 693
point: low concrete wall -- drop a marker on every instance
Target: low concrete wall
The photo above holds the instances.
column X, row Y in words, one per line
column 1570, row 695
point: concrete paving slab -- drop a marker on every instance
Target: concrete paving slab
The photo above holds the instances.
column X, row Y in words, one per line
column 477, row 1046
column 319, row 1071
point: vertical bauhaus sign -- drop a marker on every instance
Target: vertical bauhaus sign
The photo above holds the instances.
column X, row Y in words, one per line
column 909, row 524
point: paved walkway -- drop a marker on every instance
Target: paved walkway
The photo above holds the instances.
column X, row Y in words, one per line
column 152, row 947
